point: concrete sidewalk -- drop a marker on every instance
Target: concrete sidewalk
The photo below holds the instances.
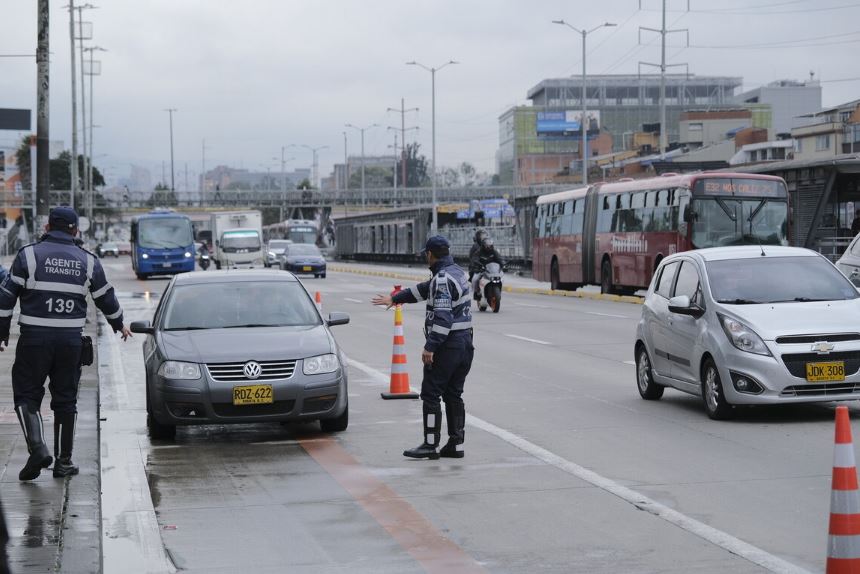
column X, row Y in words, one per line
column 54, row 524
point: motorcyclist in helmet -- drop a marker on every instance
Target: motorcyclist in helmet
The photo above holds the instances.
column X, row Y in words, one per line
column 480, row 235
column 485, row 255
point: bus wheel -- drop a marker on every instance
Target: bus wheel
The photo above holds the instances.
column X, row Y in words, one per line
column 554, row 279
column 606, row 277
column 141, row 276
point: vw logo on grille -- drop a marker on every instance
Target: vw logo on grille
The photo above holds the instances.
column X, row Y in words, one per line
column 252, row 370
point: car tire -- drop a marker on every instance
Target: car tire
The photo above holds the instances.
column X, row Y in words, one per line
column 713, row 397
column 648, row 389
column 322, row 275
column 336, row 424
column 157, row 431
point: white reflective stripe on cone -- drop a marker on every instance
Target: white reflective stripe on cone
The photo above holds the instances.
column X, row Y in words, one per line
column 843, row 455
column 398, row 331
column 399, row 350
column 398, row 368
column 431, row 420
column 844, row 547
column 845, row 502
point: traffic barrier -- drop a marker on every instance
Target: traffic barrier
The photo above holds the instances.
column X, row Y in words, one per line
column 318, row 301
column 399, row 384
column 843, row 542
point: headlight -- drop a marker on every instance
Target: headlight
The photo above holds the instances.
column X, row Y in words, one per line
column 145, row 256
column 321, row 364
column 187, row 254
column 179, row 370
column 743, row 337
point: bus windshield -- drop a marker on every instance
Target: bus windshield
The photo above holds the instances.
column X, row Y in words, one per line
column 734, row 221
column 302, row 235
column 164, row 233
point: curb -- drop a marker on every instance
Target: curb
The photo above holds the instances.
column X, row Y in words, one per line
column 522, row 290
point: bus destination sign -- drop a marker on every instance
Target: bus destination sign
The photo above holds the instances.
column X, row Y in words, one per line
column 733, row 186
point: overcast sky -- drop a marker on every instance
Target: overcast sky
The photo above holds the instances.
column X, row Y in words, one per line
column 255, row 75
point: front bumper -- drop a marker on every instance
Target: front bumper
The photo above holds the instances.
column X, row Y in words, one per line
column 206, row 401
column 782, row 376
column 300, row 268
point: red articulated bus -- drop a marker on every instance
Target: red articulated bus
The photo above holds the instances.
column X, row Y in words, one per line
column 615, row 234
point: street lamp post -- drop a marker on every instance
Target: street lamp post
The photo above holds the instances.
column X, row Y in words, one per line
column 93, row 70
column 362, row 130
column 435, row 225
column 583, row 121
column 172, row 172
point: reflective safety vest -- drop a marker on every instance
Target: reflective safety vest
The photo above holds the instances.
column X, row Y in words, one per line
column 52, row 278
column 449, row 303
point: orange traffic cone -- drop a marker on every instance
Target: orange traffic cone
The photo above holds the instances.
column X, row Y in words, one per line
column 843, row 543
column 318, row 301
column 399, row 387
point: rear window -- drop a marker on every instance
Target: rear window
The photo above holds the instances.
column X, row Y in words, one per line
column 239, row 304
column 777, row 280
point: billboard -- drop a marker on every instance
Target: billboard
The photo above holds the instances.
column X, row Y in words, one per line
column 566, row 123
column 11, row 119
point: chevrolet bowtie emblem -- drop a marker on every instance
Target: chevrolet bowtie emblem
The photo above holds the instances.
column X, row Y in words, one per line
column 822, row 347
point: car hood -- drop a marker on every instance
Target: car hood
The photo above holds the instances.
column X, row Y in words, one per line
column 777, row 319
column 246, row 344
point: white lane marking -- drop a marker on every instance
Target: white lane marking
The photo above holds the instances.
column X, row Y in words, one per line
column 630, row 363
column 538, row 341
column 717, row 537
column 353, row 300
column 608, row 315
column 533, row 306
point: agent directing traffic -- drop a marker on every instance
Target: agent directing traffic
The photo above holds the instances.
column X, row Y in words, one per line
column 448, row 349
column 51, row 278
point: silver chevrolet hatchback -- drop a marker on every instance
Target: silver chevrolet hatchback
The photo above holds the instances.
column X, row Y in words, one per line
column 749, row 326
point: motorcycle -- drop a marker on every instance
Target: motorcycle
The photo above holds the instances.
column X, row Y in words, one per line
column 490, row 286
column 205, row 261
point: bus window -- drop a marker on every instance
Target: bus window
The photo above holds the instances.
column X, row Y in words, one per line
column 605, row 217
column 637, row 201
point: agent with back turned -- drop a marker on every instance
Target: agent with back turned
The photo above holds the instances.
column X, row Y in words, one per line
column 448, row 349
column 51, row 278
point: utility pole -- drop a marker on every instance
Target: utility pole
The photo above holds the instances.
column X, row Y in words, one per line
column 402, row 110
column 203, row 172
column 186, row 176
column 94, row 70
column 345, row 164
column 73, row 164
column 362, row 130
column 664, row 131
column 394, row 171
column 43, row 120
column 172, row 170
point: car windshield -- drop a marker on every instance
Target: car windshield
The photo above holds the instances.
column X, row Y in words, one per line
column 303, row 250
column 109, row 246
column 303, row 235
column 278, row 246
column 239, row 304
column 729, row 221
column 241, row 240
column 165, row 233
column 777, row 280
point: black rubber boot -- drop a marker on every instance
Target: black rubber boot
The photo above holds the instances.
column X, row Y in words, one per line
column 456, row 418
column 40, row 456
column 64, row 442
column 432, row 429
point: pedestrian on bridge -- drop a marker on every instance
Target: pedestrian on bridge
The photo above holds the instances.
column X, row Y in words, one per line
column 448, row 349
column 52, row 278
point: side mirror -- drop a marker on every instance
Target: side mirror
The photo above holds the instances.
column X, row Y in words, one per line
column 689, row 214
column 142, row 327
column 337, row 318
column 681, row 305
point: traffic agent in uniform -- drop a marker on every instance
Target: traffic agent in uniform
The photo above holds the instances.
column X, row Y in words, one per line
column 448, row 349
column 51, row 278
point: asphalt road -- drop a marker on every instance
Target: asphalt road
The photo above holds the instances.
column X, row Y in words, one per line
column 566, row 468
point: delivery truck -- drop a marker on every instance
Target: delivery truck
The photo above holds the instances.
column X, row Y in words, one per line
column 238, row 237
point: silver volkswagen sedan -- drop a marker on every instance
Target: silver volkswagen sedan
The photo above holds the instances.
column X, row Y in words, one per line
column 241, row 347
column 749, row 325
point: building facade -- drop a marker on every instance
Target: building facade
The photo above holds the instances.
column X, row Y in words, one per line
column 828, row 133
column 788, row 101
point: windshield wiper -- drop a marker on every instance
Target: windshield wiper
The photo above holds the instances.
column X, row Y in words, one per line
column 187, row 328
column 250, row 325
column 801, row 300
column 738, row 302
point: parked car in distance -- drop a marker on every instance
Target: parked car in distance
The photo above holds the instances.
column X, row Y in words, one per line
column 124, row 248
column 275, row 250
column 752, row 325
column 108, row 248
column 241, row 347
column 849, row 263
column 303, row 258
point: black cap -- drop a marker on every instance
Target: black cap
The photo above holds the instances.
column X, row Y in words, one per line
column 436, row 244
column 63, row 218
